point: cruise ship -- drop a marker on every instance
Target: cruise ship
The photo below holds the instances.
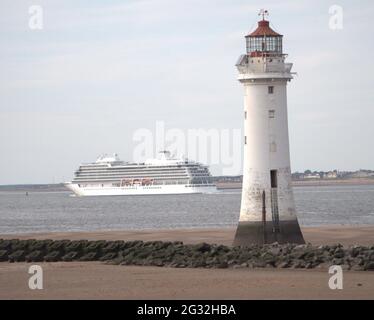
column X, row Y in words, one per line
column 109, row 176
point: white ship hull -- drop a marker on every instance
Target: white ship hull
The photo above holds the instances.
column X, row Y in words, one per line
column 95, row 191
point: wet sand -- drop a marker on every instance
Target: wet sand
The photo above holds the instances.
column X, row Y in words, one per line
column 94, row 280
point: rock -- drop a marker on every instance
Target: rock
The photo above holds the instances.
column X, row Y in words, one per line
column 270, row 265
column 200, row 263
column 285, row 264
column 231, row 262
column 146, row 252
column 318, row 259
column 38, row 246
column 371, row 255
column 298, row 264
column 369, row 266
column 346, row 267
column 355, row 251
column 17, row 256
column 222, row 248
column 244, row 257
column 71, row 256
column 94, row 246
column 202, row 247
column 76, row 246
column 108, row 256
column 300, row 247
column 339, row 253
column 58, row 245
column 222, row 265
column 240, row 266
column 158, row 263
column 133, row 244
column 5, row 245
column 324, row 266
column 361, row 261
column 338, row 262
column 35, row 256
column 309, row 255
column 259, row 264
column 53, row 256
column 357, row 268
column 3, row 255
column 91, row 256
column 268, row 258
column 275, row 251
column 20, row 245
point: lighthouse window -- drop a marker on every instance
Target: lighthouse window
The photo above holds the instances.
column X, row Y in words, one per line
column 271, row 114
column 245, row 139
column 245, row 115
column 270, row 89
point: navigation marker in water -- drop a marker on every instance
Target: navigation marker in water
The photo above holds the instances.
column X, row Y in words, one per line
column 267, row 211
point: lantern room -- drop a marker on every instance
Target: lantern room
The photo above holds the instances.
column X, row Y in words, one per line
column 264, row 41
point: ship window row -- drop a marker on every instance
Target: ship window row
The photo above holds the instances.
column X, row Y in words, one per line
column 137, row 167
column 141, row 178
column 156, row 183
column 134, row 175
column 132, row 172
column 129, row 173
column 140, row 173
column 127, row 178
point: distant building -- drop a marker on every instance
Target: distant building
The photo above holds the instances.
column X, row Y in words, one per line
column 330, row 175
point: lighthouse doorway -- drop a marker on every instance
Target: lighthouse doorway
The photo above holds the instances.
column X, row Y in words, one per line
column 274, row 200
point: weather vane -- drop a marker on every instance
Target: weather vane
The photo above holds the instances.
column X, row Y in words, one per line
column 264, row 13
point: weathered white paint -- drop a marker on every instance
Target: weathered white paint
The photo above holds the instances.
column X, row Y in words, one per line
column 267, row 141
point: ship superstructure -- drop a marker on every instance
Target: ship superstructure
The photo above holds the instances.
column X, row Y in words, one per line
column 165, row 175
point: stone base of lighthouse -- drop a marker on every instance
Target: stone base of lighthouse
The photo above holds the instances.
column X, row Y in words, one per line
column 259, row 233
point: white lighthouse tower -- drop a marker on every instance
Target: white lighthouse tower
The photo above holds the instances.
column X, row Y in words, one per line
column 267, row 211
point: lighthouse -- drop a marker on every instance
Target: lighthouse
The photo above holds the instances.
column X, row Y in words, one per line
column 267, row 212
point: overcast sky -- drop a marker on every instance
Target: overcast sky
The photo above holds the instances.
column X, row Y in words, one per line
column 99, row 71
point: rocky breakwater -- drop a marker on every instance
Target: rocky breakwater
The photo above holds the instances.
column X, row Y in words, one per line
column 179, row 255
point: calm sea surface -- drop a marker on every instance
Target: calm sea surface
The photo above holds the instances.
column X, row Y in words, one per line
column 59, row 211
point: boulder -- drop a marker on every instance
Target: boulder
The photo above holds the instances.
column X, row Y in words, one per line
column 53, row 256
column 71, row 256
column 35, row 256
column 3, row 255
column 17, row 256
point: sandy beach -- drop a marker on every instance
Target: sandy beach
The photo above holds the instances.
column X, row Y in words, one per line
column 94, row 280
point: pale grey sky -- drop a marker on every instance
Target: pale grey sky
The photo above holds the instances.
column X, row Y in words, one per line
column 100, row 70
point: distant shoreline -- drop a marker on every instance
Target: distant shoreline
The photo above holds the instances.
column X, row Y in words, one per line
column 308, row 183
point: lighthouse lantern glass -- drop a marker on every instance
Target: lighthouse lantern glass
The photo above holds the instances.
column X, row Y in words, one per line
column 264, row 44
